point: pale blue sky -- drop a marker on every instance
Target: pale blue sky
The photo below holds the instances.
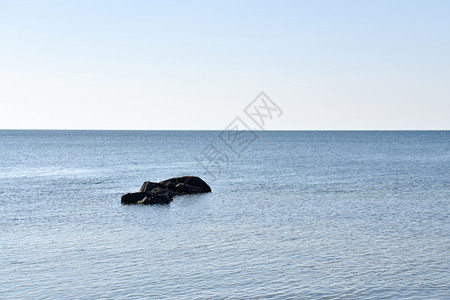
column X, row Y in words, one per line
column 197, row 64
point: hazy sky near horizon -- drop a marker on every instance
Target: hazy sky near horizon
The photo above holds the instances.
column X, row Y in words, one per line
column 197, row 64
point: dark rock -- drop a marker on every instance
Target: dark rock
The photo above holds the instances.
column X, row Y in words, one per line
column 148, row 186
column 187, row 185
column 184, row 188
column 155, row 200
column 132, row 198
column 147, row 197
column 163, row 192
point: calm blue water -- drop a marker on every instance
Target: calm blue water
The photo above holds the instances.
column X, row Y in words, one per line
column 297, row 215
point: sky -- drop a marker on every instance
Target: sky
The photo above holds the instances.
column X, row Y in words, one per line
column 157, row 65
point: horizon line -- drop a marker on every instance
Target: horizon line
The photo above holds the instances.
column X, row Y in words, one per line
column 256, row 129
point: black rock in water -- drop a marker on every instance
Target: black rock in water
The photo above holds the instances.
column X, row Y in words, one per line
column 147, row 198
column 187, row 185
column 162, row 192
column 148, row 186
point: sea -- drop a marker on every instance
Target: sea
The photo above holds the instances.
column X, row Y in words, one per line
column 292, row 215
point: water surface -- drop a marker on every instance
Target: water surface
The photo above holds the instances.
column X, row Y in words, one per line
column 296, row 215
